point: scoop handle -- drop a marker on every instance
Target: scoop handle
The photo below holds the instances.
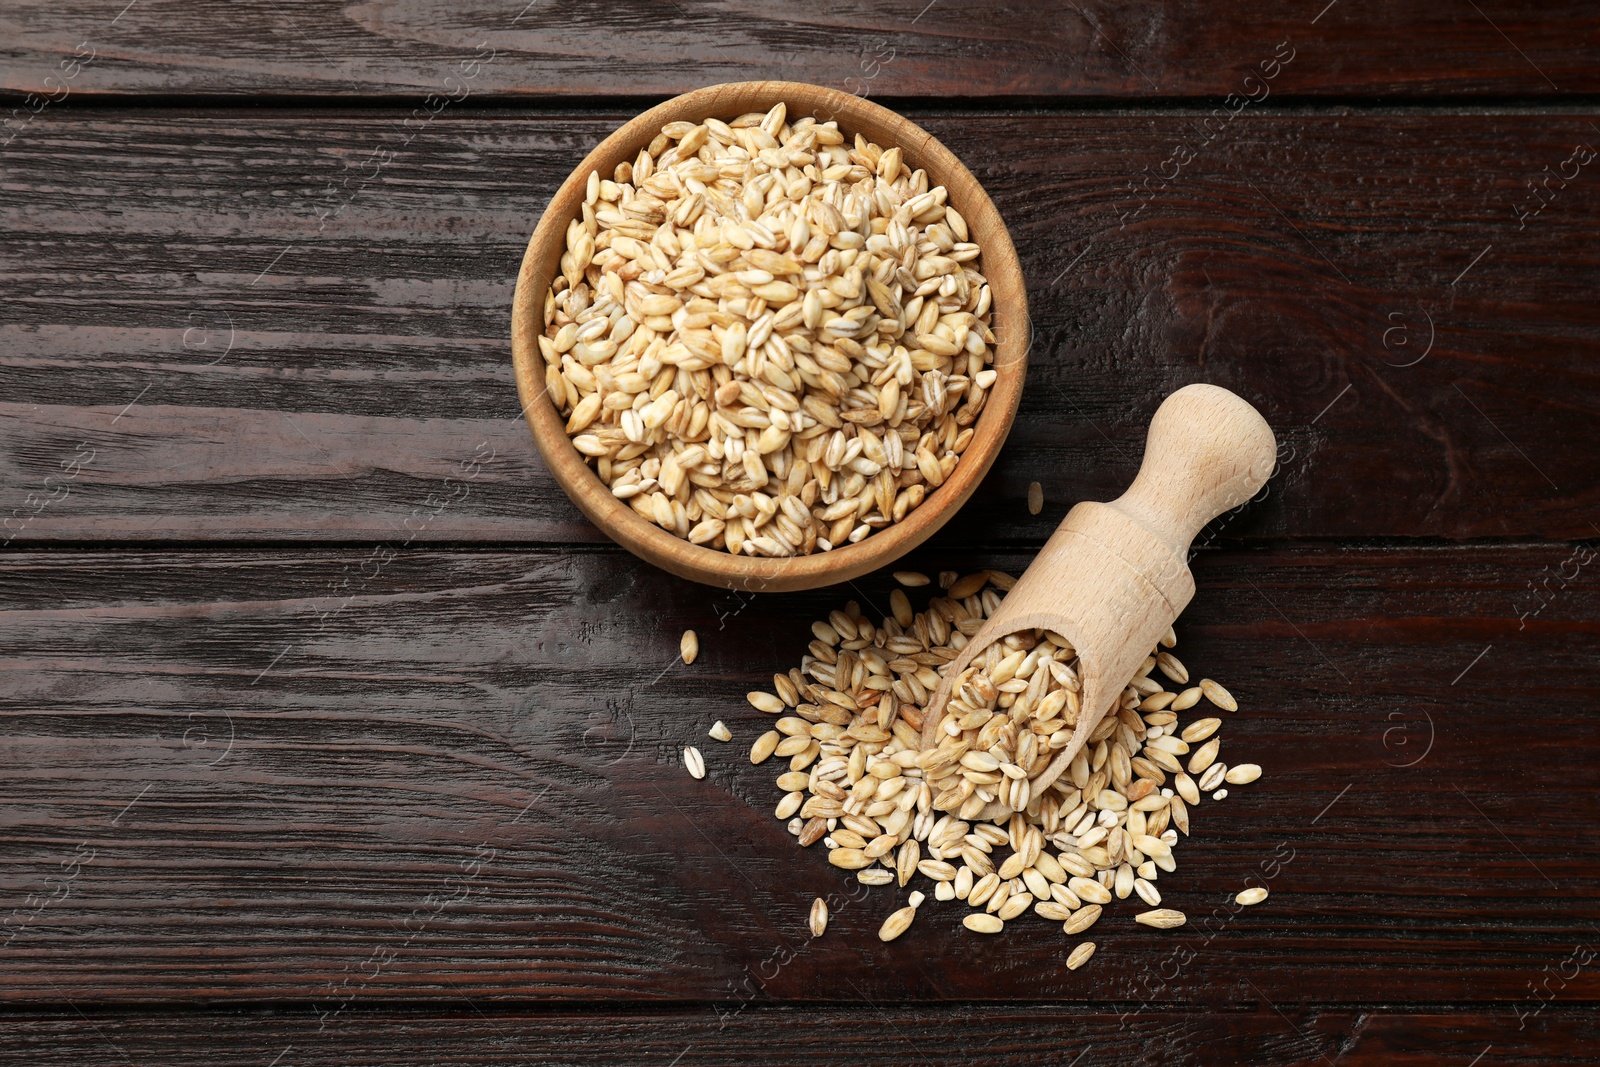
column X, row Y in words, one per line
column 1207, row 452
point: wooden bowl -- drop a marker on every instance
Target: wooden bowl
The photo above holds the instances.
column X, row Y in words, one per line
column 1009, row 320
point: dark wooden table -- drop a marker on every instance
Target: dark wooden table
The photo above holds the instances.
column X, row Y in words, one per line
column 332, row 734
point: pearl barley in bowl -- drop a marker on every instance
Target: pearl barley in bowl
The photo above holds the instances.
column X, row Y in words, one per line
column 770, row 336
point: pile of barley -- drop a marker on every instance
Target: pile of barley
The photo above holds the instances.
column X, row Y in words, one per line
column 766, row 340
column 850, row 722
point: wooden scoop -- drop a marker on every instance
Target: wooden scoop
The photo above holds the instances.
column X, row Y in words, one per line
column 1113, row 577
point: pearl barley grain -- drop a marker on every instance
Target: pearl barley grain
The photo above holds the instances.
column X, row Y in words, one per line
column 1162, row 918
column 896, row 924
column 1218, row 695
column 819, row 917
column 1242, row 774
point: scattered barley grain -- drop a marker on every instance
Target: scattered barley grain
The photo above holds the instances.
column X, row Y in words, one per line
column 819, row 917
column 1162, row 918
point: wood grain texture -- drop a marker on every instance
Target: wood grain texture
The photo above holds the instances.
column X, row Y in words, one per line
column 895, row 48
column 253, row 327
column 338, row 780
column 1005, row 1036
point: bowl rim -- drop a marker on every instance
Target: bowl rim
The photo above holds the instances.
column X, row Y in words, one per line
column 645, row 539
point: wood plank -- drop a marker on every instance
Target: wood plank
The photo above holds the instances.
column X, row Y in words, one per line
column 1004, row 1036
column 896, row 48
column 339, row 779
column 187, row 352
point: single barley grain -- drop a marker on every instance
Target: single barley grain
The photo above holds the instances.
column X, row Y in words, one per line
column 1253, row 895
column 1080, row 955
column 1205, row 756
column 1178, row 811
column 875, row 876
column 819, row 917
column 1221, row 794
column 967, row 586
column 764, row 702
column 1035, row 498
column 1213, row 777
column 792, row 746
column 1218, row 695
column 1082, row 919
column 1001, row 580
column 911, row 579
column 906, row 861
column 693, row 760
column 850, row 859
column 720, row 732
column 982, row 923
column 1242, row 774
column 1174, row 746
column 1172, row 667
column 1186, row 788
column 689, row 646
column 765, row 745
column 1153, row 847
column 1015, row 905
column 983, row 889
column 1053, row 910
column 896, row 924
column 1090, row 890
column 1162, row 918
